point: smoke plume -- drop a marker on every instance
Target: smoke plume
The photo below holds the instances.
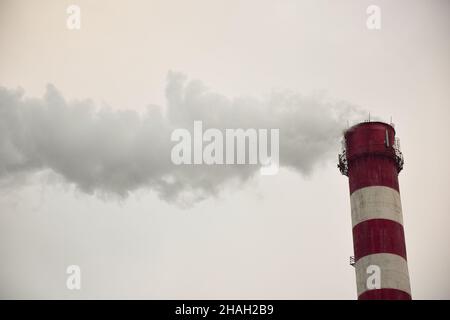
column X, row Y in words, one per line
column 106, row 151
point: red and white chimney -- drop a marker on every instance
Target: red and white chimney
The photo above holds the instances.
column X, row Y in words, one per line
column 371, row 159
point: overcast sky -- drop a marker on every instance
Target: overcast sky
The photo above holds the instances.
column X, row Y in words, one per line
column 303, row 66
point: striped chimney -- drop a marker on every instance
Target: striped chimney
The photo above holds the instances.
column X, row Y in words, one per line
column 371, row 159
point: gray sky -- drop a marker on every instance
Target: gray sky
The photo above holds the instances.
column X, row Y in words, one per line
column 283, row 236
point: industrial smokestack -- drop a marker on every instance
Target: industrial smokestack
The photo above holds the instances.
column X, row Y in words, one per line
column 371, row 159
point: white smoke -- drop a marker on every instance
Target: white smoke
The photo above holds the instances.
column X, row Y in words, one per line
column 105, row 151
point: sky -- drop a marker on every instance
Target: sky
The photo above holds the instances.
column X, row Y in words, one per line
column 85, row 175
